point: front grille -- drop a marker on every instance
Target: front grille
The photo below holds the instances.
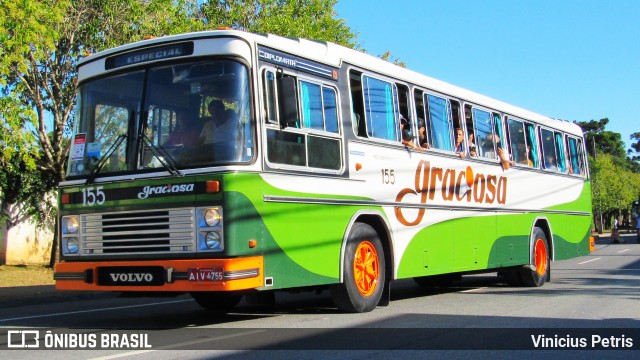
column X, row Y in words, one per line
column 138, row 232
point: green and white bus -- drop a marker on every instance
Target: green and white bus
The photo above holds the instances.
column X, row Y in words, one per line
column 227, row 164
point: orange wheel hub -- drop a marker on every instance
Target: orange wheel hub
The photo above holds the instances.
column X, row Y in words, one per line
column 540, row 257
column 366, row 268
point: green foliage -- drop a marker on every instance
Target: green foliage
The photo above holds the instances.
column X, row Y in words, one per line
column 312, row 19
column 387, row 56
column 635, row 158
column 613, row 187
column 20, row 181
column 615, row 178
column 606, row 142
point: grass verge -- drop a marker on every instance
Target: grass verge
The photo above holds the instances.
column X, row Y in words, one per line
column 11, row 276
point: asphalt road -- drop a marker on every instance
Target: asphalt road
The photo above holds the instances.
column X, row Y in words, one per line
column 590, row 298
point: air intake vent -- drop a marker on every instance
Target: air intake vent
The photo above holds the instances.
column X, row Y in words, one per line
column 154, row 231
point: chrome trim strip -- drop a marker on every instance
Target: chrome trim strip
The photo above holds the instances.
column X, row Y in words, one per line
column 241, row 274
column 68, row 276
column 349, row 202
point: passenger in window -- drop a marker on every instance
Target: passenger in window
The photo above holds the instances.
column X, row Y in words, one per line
column 422, row 135
column 492, row 148
column 472, row 146
column 550, row 163
column 568, row 160
column 489, row 146
column 407, row 136
column 459, row 148
column 186, row 132
column 523, row 155
column 220, row 128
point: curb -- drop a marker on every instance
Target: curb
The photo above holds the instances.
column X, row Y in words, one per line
column 42, row 294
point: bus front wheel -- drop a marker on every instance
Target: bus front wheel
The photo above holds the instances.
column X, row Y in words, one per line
column 364, row 271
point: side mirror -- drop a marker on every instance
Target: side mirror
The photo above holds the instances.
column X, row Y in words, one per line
column 288, row 101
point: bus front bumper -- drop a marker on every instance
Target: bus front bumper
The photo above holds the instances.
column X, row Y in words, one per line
column 162, row 275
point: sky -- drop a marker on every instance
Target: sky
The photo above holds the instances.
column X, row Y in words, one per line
column 575, row 60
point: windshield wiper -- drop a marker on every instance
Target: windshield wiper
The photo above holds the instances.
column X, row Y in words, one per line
column 103, row 159
column 167, row 161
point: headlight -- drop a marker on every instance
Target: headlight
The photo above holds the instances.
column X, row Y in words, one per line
column 70, row 245
column 212, row 240
column 209, row 221
column 212, row 217
column 70, row 224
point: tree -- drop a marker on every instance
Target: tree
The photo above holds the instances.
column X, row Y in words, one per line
column 312, row 19
column 387, row 56
column 41, row 42
column 635, row 158
column 606, row 142
column 615, row 181
column 20, row 182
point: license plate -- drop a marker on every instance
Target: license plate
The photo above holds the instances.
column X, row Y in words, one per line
column 131, row 276
column 205, row 274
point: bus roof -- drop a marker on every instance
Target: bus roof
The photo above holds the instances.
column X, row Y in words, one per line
column 335, row 55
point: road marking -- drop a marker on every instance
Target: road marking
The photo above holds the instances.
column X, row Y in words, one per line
column 472, row 290
column 172, row 346
column 93, row 310
column 621, row 251
column 588, row 261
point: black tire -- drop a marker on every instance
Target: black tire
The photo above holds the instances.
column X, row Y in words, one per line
column 537, row 273
column 217, row 302
column 363, row 281
column 512, row 277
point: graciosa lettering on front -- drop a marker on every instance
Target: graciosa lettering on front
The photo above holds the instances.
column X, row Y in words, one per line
column 168, row 189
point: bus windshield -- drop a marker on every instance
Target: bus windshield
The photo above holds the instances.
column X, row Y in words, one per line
column 176, row 116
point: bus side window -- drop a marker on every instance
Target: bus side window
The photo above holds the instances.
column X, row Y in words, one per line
column 423, row 129
column 519, row 149
column 269, row 97
column 439, row 122
column 575, row 156
column 407, row 131
column 486, row 139
column 549, row 157
column 471, row 137
column 560, row 152
column 357, row 103
column 318, row 107
column 380, row 109
column 501, row 139
column 532, row 144
column 330, row 107
column 581, row 158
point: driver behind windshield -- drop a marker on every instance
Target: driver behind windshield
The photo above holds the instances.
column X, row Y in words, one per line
column 220, row 128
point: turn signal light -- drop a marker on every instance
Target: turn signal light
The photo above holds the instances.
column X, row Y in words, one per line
column 213, row 186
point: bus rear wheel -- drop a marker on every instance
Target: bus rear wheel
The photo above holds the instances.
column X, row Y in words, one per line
column 364, row 271
column 217, row 302
column 536, row 275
